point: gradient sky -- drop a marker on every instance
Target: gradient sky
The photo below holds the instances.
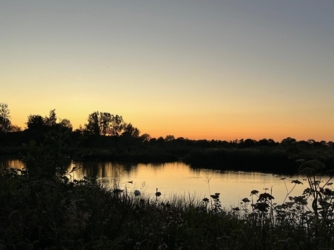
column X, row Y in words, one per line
column 197, row 69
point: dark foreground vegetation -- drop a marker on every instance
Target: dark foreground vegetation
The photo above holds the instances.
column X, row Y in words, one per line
column 42, row 209
column 108, row 137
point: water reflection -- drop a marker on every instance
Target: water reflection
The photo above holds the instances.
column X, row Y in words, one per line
column 181, row 180
column 10, row 163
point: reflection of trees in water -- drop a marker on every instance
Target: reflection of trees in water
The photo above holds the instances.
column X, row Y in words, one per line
column 118, row 174
column 157, row 167
column 10, row 163
column 129, row 167
column 90, row 169
column 105, row 171
column 4, row 164
column 196, row 171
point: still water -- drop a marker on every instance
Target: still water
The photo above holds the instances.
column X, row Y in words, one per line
column 179, row 179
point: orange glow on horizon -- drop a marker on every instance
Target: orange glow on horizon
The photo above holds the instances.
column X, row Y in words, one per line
column 228, row 133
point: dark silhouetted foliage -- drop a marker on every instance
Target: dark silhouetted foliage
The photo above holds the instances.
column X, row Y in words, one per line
column 5, row 123
column 35, row 122
column 109, row 137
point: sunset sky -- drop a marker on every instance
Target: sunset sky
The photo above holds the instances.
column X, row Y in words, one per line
column 210, row 69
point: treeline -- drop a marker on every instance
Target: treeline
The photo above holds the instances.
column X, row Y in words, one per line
column 99, row 124
column 107, row 136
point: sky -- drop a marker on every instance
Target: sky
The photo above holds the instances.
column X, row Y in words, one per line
column 208, row 69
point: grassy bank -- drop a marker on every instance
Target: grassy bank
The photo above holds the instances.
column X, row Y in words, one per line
column 49, row 212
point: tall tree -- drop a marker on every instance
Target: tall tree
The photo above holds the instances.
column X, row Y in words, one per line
column 5, row 123
column 117, row 125
column 93, row 125
column 105, row 122
column 51, row 121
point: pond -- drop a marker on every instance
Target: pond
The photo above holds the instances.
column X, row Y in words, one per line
column 179, row 179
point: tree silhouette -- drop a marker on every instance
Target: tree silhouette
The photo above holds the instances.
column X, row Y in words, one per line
column 145, row 137
column 117, row 125
column 104, row 123
column 249, row 143
column 35, row 122
column 130, row 130
column 15, row 128
column 169, row 138
column 51, row 121
column 263, row 142
column 288, row 141
column 93, row 125
column 65, row 124
column 5, row 123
